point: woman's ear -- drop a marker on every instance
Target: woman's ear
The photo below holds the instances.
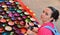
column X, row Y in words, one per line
column 51, row 18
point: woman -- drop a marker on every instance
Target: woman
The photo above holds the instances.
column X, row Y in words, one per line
column 49, row 15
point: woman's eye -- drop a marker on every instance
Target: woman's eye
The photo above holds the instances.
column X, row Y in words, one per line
column 43, row 11
column 46, row 13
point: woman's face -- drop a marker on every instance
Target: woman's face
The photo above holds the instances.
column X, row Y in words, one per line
column 46, row 15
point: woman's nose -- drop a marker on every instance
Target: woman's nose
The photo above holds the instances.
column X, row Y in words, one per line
column 43, row 14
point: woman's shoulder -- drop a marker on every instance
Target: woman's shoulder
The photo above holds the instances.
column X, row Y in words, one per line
column 44, row 31
column 48, row 24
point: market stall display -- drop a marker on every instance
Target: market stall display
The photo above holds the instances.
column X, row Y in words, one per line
column 14, row 18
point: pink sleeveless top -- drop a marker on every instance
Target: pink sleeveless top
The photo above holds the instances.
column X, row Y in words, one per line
column 45, row 31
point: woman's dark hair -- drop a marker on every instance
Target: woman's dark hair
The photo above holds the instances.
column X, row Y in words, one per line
column 55, row 13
